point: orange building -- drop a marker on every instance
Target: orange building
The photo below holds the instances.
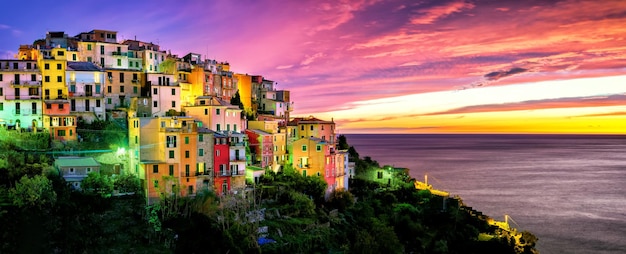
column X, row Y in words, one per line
column 58, row 120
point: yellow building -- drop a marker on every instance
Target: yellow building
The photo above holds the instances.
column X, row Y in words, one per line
column 163, row 152
column 52, row 65
column 310, row 156
column 244, row 86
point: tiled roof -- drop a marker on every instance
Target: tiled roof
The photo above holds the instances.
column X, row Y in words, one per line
column 76, row 162
column 82, row 66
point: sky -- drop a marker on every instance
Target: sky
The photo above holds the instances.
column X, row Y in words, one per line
column 388, row 66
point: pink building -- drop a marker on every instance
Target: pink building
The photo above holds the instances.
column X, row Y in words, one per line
column 261, row 147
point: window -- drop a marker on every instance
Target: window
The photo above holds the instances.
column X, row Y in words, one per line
column 136, row 139
column 135, row 89
column 200, row 137
column 61, row 133
column 88, row 46
column 217, row 153
column 190, row 189
column 121, row 89
column 187, row 170
column 46, row 79
column 311, row 127
column 98, row 103
column 0, row 77
column 88, row 170
column 171, row 170
column 73, row 57
column 171, row 141
column 46, row 66
column 186, row 154
column 61, row 106
column 318, row 148
column 1, row 106
column 121, row 77
column 171, row 154
column 234, row 127
column 206, row 111
column 218, row 127
column 200, row 152
column 173, row 104
column 60, row 79
column 102, row 49
column 59, row 66
column 71, row 170
column 33, row 77
column 1, row 92
column 89, row 59
column 173, row 91
column 217, row 111
column 380, row 175
column 109, row 101
column 302, row 127
column 155, row 104
column 304, row 148
column 186, row 140
column 119, row 62
column 48, row 106
column 155, row 91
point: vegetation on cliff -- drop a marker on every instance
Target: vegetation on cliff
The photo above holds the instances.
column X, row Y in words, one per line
column 284, row 213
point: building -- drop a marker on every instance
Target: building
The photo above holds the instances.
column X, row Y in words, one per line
column 261, row 147
column 216, row 114
column 221, row 161
column 20, row 95
column 163, row 154
column 75, row 169
column 86, row 92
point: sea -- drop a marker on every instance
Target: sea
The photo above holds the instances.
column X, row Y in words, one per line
column 568, row 190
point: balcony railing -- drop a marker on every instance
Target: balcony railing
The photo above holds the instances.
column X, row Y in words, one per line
column 25, row 83
column 224, row 173
column 22, row 97
column 238, row 173
column 117, row 53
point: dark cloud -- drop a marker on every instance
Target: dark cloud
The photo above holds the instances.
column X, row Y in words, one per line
column 496, row 75
column 572, row 102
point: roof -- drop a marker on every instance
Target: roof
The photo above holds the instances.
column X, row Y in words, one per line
column 83, row 66
column 214, row 101
column 308, row 120
column 259, row 132
column 76, row 162
column 314, row 139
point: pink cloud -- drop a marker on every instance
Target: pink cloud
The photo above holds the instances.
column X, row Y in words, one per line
column 429, row 16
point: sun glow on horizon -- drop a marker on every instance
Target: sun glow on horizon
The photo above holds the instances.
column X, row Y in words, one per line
column 549, row 107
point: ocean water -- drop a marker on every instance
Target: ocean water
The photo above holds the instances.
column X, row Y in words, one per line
column 568, row 190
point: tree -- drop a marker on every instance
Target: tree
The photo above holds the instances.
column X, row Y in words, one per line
column 95, row 183
column 127, row 183
column 342, row 143
column 33, row 192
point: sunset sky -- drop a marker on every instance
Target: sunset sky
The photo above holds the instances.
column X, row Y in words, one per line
column 388, row 66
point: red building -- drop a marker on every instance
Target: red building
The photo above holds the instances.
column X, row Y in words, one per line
column 221, row 164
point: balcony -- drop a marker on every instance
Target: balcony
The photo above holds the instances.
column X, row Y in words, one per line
column 22, row 97
column 224, row 173
column 238, row 173
column 118, row 53
column 207, row 173
column 25, row 83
